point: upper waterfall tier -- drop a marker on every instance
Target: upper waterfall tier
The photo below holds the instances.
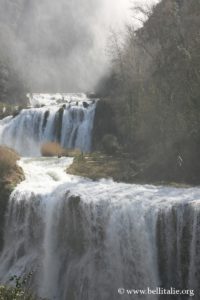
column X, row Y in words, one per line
column 37, row 99
column 66, row 119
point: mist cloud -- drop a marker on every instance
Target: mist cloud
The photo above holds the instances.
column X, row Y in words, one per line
column 59, row 45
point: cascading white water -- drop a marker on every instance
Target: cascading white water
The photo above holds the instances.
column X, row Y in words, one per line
column 84, row 240
column 67, row 119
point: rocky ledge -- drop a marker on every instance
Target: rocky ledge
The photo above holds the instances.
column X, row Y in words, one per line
column 120, row 167
column 98, row 165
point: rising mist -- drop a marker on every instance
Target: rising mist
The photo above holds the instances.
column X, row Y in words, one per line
column 59, row 45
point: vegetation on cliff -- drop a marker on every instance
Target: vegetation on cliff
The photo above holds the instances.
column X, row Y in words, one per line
column 154, row 91
column 12, row 89
column 7, row 109
column 10, row 172
column 10, row 175
column 19, row 290
column 120, row 167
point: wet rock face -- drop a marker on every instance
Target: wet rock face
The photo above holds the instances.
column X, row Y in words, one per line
column 58, row 124
column 104, row 123
column 85, row 105
column 46, row 116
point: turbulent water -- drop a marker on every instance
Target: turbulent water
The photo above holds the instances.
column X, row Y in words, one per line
column 85, row 240
column 64, row 118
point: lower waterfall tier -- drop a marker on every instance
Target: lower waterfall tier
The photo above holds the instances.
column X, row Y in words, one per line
column 84, row 240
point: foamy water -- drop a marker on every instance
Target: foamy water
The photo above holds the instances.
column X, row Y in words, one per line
column 83, row 240
column 89, row 238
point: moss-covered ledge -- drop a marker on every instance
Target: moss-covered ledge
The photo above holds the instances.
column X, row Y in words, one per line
column 121, row 168
column 98, row 165
column 10, row 175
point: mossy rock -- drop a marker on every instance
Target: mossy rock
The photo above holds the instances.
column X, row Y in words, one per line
column 99, row 165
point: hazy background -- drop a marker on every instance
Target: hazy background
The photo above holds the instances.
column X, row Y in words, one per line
column 59, row 45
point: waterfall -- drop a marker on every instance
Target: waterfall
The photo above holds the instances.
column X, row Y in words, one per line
column 66, row 119
column 84, row 240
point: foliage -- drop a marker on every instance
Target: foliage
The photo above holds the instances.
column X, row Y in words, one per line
column 156, row 90
column 12, row 89
column 19, row 291
column 7, row 109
